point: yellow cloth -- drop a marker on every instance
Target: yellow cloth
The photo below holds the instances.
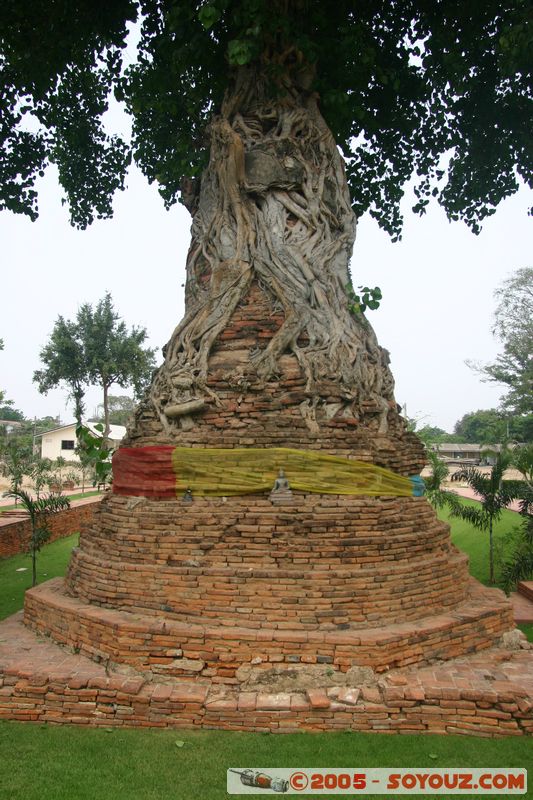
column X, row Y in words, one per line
column 219, row 472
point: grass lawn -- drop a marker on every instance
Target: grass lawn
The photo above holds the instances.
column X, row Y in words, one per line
column 51, row 562
column 70, row 763
column 44, row 762
column 476, row 543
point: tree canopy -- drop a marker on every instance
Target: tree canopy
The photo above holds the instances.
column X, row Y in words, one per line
column 490, row 426
column 95, row 349
column 437, row 90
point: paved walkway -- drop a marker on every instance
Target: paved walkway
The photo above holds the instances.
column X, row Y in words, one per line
column 466, row 491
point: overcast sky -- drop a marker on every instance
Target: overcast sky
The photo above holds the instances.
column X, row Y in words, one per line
column 438, row 285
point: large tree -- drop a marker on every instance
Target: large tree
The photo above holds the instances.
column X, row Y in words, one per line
column 244, row 110
column 95, row 349
column 490, row 426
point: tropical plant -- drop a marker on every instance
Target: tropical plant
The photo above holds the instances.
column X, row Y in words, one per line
column 94, row 452
column 436, row 495
column 39, row 511
column 16, row 463
column 494, row 495
column 40, row 473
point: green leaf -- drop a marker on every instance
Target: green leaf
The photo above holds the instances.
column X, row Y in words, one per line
column 239, row 52
column 208, row 16
column 179, row 743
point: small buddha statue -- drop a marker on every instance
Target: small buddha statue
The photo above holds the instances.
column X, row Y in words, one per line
column 281, row 485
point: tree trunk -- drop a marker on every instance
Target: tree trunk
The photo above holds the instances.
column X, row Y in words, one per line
column 491, row 554
column 33, row 563
column 105, row 405
column 272, row 215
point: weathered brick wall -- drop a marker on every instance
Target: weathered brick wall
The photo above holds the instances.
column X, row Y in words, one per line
column 325, row 561
column 392, row 708
column 15, row 537
column 203, row 650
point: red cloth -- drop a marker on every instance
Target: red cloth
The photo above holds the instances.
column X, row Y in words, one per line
column 144, row 472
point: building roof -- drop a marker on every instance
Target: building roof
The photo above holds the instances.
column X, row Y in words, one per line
column 453, row 447
column 116, row 432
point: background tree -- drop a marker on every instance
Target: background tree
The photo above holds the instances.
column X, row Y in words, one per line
column 432, row 434
column 121, row 408
column 112, row 354
column 491, row 426
column 11, row 414
column 513, row 327
column 95, row 349
column 481, row 427
column 64, row 363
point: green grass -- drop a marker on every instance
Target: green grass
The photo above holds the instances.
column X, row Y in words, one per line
column 70, row 763
column 51, row 562
column 528, row 630
column 476, row 543
column 44, row 762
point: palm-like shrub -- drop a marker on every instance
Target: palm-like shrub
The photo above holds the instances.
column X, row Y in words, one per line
column 39, row 510
column 494, row 495
column 436, row 495
column 518, row 565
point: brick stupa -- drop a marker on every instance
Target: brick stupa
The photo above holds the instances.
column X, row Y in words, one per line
column 278, row 609
column 219, row 603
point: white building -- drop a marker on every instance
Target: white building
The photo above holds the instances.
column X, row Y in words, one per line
column 61, row 442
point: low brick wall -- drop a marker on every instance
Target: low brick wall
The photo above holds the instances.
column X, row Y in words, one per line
column 209, row 651
column 15, row 537
column 430, row 701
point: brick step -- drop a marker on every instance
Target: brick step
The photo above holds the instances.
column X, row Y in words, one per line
column 490, row 694
column 525, row 588
column 204, row 648
column 299, row 598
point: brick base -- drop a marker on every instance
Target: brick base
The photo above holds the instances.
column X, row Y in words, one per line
column 489, row 695
column 206, row 650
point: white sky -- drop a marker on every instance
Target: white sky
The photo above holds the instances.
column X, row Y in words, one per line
column 437, row 285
